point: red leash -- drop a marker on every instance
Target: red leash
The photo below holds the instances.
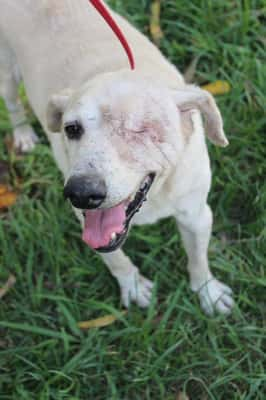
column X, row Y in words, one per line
column 115, row 28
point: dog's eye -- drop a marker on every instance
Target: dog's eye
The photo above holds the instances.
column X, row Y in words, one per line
column 140, row 131
column 74, row 130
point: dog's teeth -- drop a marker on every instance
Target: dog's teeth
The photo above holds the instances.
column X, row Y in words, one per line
column 113, row 236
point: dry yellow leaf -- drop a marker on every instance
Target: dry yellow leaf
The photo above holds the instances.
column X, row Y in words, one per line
column 99, row 322
column 7, row 198
column 8, row 285
column 3, row 189
column 217, row 87
column 155, row 26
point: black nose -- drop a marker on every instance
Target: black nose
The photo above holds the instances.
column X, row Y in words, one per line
column 85, row 192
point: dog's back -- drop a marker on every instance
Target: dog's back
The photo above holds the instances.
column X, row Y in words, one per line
column 62, row 43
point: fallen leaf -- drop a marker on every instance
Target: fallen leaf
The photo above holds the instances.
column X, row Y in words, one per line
column 99, row 322
column 155, row 26
column 7, row 197
column 3, row 189
column 182, row 396
column 217, row 87
column 7, row 286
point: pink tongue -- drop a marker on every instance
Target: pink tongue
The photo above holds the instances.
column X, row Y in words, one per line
column 100, row 224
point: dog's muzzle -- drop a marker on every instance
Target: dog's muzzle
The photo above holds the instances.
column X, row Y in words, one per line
column 106, row 229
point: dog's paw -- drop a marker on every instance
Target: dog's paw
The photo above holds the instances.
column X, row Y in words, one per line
column 25, row 138
column 135, row 288
column 215, row 297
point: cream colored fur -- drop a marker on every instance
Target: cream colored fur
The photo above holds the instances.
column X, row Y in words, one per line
column 135, row 123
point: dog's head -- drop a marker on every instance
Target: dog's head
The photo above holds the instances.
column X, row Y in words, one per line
column 123, row 136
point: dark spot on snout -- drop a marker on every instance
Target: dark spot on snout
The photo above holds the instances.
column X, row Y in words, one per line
column 85, row 192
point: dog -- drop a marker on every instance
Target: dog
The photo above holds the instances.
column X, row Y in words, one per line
column 120, row 137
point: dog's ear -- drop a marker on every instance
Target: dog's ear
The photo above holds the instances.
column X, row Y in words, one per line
column 191, row 97
column 55, row 110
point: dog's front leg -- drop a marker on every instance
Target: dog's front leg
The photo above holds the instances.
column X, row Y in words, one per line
column 24, row 136
column 195, row 224
column 133, row 286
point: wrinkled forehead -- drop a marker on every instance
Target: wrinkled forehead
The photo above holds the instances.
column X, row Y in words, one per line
column 124, row 102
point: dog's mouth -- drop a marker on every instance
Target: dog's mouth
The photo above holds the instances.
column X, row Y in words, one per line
column 106, row 230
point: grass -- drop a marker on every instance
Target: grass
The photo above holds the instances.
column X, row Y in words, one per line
column 172, row 346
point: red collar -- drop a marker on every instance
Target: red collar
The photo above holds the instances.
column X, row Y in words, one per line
column 100, row 7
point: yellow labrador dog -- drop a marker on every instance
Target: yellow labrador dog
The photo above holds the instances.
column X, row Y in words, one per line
column 120, row 137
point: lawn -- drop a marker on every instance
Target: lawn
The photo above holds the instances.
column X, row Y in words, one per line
column 172, row 346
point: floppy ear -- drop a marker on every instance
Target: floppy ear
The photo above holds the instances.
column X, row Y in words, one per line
column 191, row 97
column 55, row 110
